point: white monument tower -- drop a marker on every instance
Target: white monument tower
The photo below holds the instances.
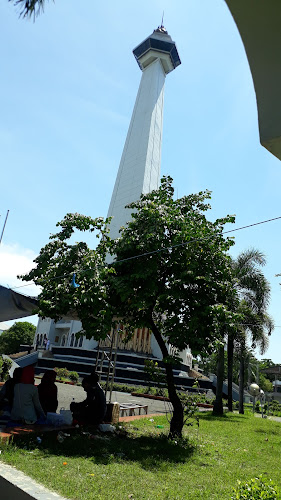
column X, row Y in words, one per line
column 139, row 169
column 139, row 172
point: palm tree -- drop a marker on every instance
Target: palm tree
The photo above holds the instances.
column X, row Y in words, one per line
column 218, row 406
column 260, row 328
column 254, row 293
column 253, row 297
column 30, row 7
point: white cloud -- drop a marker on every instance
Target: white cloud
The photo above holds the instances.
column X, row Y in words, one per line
column 15, row 260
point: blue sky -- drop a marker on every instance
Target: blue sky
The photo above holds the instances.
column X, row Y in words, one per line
column 68, row 85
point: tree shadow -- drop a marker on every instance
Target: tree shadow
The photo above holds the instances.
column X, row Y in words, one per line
column 267, row 431
column 225, row 418
column 152, row 452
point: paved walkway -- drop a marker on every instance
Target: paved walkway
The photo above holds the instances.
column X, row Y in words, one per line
column 271, row 417
column 66, row 393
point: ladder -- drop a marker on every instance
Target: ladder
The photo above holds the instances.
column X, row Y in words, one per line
column 106, row 361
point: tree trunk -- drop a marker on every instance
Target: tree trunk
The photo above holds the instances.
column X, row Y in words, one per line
column 230, row 348
column 177, row 421
column 241, row 381
column 218, row 407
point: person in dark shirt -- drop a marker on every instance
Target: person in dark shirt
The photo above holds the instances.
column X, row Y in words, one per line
column 92, row 410
column 48, row 392
column 7, row 391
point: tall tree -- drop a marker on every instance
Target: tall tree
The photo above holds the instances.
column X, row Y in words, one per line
column 261, row 327
column 21, row 332
column 254, row 294
column 182, row 291
column 171, row 273
column 218, row 406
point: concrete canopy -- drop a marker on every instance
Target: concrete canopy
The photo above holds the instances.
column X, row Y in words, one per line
column 259, row 24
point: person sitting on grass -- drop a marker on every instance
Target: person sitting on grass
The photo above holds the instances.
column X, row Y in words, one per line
column 92, row 410
column 48, row 392
column 7, row 391
column 26, row 405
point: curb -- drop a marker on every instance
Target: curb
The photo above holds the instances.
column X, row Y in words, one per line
column 138, row 417
column 15, row 485
column 163, row 398
column 149, row 396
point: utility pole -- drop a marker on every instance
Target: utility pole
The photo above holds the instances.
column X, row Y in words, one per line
column 4, row 226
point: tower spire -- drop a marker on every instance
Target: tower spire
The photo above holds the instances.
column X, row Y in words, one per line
column 139, row 170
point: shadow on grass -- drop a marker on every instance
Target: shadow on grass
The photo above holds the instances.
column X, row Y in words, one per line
column 225, row 418
column 152, row 452
column 268, row 431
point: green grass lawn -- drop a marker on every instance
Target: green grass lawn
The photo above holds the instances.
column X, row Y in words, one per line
column 143, row 464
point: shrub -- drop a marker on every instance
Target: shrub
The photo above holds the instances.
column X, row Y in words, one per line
column 257, row 407
column 189, row 403
column 62, row 373
column 153, row 372
column 73, row 376
column 274, row 407
column 256, row 489
column 5, row 365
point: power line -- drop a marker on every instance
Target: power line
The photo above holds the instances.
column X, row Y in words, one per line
column 145, row 254
column 251, row 225
column 194, row 240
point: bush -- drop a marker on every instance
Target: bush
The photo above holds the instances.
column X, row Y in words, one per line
column 257, row 407
column 154, row 372
column 256, row 489
column 123, row 387
column 5, row 365
column 274, row 407
column 62, row 373
column 189, row 404
column 73, row 376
